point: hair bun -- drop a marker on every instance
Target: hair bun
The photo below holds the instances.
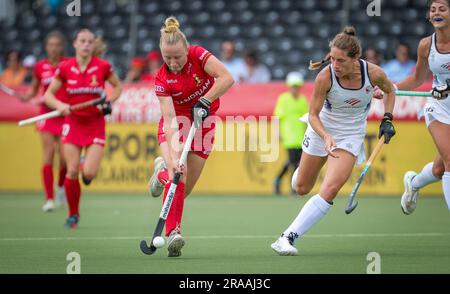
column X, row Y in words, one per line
column 171, row 24
column 349, row 30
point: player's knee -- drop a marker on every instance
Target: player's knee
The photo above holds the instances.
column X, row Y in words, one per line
column 446, row 160
column 438, row 170
column 329, row 190
column 72, row 173
column 303, row 189
column 89, row 174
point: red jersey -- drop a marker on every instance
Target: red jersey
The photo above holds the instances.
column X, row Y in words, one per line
column 186, row 87
column 44, row 72
column 83, row 86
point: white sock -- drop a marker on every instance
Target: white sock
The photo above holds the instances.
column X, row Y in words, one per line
column 425, row 177
column 446, row 187
column 311, row 213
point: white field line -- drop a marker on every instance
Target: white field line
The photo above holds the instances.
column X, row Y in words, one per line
column 374, row 235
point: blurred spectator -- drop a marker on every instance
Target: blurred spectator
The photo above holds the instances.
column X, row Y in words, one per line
column 291, row 105
column 372, row 55
column 14, row 73
column 136, row 70
column 228, row 57
column 253, row 71
column 399, row 68
column 29, row 63
column 154, row 62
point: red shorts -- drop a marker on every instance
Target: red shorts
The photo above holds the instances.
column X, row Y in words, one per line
column 203, row 139
column 84, row 131
column 52, row 125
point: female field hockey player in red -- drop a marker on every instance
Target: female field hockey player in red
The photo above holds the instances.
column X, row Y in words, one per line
column 50, row 129
column 191, row 77
column 83, row 79
column 341, row 101
column 433, row 54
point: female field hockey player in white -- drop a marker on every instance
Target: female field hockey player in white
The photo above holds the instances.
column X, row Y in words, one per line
column 338, row 118
column 433, row 54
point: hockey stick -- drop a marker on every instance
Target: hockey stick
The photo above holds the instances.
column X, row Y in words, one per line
column 351, row 204
column 73, row 108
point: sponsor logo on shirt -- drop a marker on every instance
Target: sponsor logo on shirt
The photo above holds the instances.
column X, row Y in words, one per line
column 352, row 101
column 72, row 82
column 84, row 90
column 196, row 94
column 177, row 94
column 93, row 69
column 203, row 55
column 159, row 89
column 172, row 81
column 74, row 70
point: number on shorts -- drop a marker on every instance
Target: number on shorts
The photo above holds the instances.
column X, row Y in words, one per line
column 306, row 141
column 65, row 129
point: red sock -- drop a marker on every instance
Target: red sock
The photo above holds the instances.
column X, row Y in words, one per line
column 47, row 178
column 163, row 177
column 73, row 193
column 62, row 175
column 176, row 210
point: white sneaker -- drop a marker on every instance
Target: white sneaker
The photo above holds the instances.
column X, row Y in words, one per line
column 60, row 196
column 284, row 247
column 154, row 185
column 48, row 206
column 174, row 243
column 408, row 202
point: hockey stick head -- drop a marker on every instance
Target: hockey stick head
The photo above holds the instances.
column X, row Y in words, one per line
column 149, row 250
column 351, row 206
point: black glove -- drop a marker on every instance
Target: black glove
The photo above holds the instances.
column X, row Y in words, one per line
column 386, row 128
column 441, row 92
column 204, row 104
column 106, row 108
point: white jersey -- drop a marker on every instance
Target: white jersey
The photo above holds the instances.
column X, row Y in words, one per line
column 345, row 110
column 440, row 67
column 344, row 116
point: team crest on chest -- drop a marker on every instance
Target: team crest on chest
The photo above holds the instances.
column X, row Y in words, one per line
column 94, row 81
column 197, row 80
column 368, row 89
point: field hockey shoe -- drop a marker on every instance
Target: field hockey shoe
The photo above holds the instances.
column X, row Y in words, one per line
column 72, row 221
column 60, row 196
column 284, row 246
column 154, row 185
column 408, row 202
column 174, row 243
column 49, row 205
